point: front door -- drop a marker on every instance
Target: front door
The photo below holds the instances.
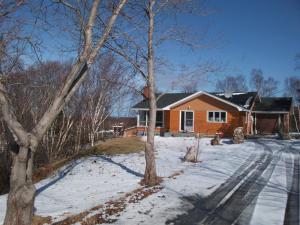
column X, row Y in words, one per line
column 187, row 121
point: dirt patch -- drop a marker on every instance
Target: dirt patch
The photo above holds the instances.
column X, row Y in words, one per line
column 39, row 220
column 175, row 174
column 103, row 213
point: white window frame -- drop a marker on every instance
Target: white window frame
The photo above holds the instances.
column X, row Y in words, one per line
column 185, row 118
column 138, row 120
column 214, row 121
column 147, row 119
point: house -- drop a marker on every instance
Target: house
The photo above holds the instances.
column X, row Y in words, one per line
column 208, row 113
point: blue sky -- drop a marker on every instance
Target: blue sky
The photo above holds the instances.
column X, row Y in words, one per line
column 263, row 34
column 244, row 34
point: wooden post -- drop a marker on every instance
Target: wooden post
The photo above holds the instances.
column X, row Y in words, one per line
column 249, row 128
column 286, row 126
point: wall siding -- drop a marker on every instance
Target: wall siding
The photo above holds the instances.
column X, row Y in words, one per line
column 167, row 119
column 174, row 121
column 200, row 106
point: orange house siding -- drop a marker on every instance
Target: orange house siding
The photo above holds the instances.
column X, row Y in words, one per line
column 201, row 105
column 174, row 121
column 167, row 120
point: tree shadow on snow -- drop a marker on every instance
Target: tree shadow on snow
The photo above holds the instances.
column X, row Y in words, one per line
column 61, row 174
column 122, row 166
column 228, row 142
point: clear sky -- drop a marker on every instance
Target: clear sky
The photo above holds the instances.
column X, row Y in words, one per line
column 244, row 34
column 263, row 34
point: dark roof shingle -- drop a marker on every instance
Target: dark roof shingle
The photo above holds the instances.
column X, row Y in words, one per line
column 170, row 98
column 244, row 100
column 163, row 100
column 279, row 104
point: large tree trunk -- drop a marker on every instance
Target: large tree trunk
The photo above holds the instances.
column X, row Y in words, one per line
column 22, row 191
column 150, row 176
column 20, row 200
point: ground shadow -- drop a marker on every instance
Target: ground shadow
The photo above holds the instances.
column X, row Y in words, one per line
column 228, row 142
column 61, row 174
column 121, row 166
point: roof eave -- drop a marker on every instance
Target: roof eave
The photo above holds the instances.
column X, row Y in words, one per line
column 137, row 109
column 270, row 112
column 239, row 108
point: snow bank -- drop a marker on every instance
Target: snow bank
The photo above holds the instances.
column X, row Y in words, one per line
column 91, row 181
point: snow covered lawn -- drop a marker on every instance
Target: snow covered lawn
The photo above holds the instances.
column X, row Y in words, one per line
column 92, row 181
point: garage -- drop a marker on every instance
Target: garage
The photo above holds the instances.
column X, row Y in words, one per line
column 272, row 116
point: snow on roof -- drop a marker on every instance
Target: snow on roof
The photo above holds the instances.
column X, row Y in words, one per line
column 239, row 93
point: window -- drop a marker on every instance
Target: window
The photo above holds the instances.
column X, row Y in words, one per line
column 211, row 116
column 217, row 116
column 187, row 121
column 223, row 117
column 159, row 119
column 182, row 120
column 144, row 118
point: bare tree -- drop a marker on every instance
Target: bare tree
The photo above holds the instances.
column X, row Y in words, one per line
column 270, row 87
column 22, row 190
column 189, row 87
column 190, row 79
column 80, row 119
column 138, row 50
column 31, row 91
column 232, row 84
column 264, row 87
column 292, row 87
column 105, row 83
column 55, row 139
column 297, row 60
column 257, row 79
column 7, row 7
column 150, row 177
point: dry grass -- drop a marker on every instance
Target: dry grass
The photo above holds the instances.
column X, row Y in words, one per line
column 110, row 147
column 101, row 213
column 39, row 220
column 119, row 146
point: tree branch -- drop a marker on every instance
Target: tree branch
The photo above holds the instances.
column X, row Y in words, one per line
column 78, row 72
column 76, row 10
column 74, row 79
column 107, row 31
column 89, row 29
column 20, row 135
column 128, row 59
column 12, row 9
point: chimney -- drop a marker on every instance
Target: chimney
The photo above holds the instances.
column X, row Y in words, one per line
column 145, row 92
column 228, row 94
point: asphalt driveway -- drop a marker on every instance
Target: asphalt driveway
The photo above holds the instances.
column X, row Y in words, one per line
column 245, row 194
